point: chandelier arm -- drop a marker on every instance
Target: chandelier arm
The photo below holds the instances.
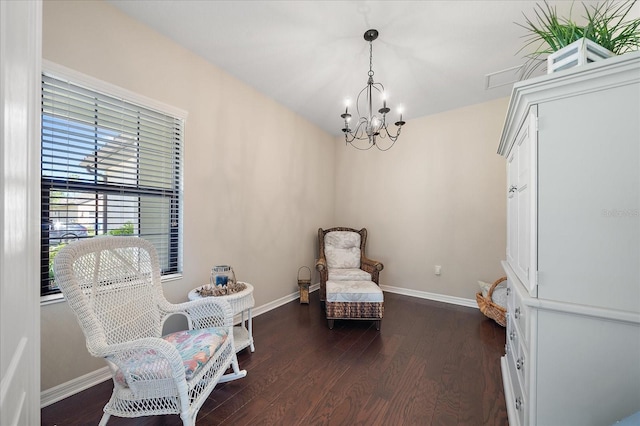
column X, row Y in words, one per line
column 387, row 148
column 384, row 133
column 379, row 87
column 358, row 101
column 346, row 137
column 361, row 149
column 357, row 133
column 393, row 137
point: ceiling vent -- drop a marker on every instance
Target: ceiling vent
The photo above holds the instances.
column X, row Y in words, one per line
column 503, row 78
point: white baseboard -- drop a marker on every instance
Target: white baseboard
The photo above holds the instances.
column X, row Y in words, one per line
column 67, row 389
column 470, row 303
column 282, row 301
column 72, row 387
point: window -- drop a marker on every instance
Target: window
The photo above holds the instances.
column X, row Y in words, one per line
column 109, row 165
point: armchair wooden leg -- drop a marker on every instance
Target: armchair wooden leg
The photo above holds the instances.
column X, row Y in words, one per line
column 330, row 322
column 378, row 323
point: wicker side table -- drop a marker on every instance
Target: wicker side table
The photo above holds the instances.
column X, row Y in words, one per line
column 241, row 303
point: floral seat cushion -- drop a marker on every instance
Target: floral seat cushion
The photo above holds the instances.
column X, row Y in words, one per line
column 348, row 274
column 196, row 347
column 354, row 291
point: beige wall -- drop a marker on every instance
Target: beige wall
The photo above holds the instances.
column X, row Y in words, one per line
column 436, row 198
column 256, row 184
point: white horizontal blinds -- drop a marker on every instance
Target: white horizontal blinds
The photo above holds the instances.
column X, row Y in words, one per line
column 109, row 166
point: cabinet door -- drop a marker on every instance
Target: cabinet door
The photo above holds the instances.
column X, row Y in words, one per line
column 512, row 208
column 521, row 203
column 589, row 196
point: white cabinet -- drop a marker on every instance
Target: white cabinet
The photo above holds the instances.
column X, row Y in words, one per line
column 572, row 144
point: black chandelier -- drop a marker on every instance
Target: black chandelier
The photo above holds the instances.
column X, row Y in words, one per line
column 370, row 126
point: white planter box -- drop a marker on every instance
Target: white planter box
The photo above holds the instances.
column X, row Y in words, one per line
column 579, row 52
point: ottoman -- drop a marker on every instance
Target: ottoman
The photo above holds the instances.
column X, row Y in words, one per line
column 354, row 300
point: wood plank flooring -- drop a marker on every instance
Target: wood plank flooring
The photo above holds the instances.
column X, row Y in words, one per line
column 431, row 364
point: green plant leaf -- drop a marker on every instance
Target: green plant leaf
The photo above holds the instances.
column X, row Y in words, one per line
column 607, row 25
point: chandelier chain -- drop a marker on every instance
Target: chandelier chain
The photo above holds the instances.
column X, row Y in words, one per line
column 370, row 59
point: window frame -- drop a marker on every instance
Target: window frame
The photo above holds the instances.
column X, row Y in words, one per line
column 99, row 86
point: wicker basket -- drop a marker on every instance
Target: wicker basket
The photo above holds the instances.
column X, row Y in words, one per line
column 303, row 285
column 490, row 309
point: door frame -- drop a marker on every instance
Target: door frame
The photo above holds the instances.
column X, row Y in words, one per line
column 20, row 76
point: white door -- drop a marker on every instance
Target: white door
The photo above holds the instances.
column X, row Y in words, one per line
column 20, row 59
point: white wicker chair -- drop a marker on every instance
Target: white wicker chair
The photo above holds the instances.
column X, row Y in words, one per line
column 113, row 286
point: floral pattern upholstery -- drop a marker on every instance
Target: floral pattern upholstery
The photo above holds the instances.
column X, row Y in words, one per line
column 342, row 249
column 353, row 291
column 196, row 347
column 348, row 274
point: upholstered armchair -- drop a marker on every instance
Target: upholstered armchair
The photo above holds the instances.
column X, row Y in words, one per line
column 342, row 257
column 113, row 286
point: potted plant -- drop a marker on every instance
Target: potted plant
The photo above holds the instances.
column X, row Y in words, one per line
column 607, row 32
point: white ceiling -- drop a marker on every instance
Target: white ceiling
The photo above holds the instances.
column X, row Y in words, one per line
column 310, row 56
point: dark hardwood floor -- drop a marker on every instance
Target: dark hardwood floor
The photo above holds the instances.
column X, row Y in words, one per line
column 431, row 364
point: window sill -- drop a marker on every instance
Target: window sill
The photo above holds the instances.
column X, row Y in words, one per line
column 50, row 299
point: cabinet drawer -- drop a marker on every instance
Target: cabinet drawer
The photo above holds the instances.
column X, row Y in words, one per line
column 522, row 366
column 519, row 397
column 516, row 354
column 513, row 335
column 518, row 310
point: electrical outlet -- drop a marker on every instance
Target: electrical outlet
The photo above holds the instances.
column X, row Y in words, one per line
column 437, row 269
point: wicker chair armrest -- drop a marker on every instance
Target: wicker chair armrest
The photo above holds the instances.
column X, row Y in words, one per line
column 493, row 287
column 204, row 313
column 371, row 265
column 149, row 348
column 321, row 264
